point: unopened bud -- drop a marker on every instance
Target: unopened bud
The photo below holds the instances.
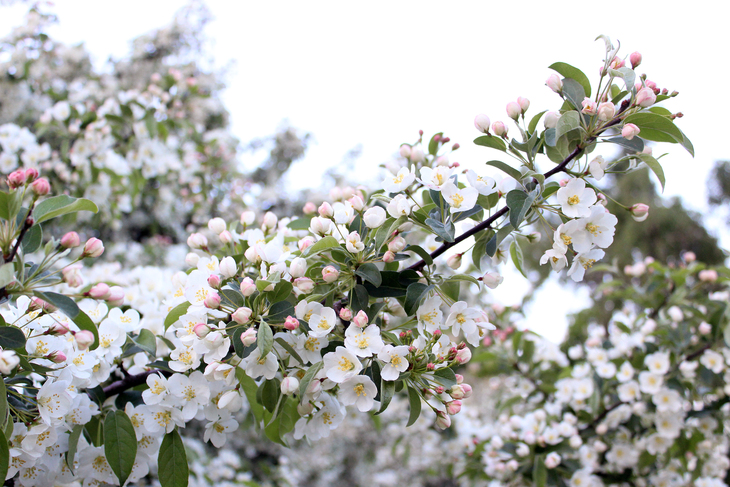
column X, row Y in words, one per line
column 325, row 210
column 346, row 314
column 708, row 275
column 214, row 281
column 201, row 330
column 304, row 284
column 217, row 225
column 463, row 356
column 388, row 257
column 309, row 208
column 513, row 110
column 482, row 123
column 225, row 237
column 93, row 248
column 453, row 407
column 291, row 323
column 248, row 337
column 57, row 357
column 41, row 187
column 454, row 261
column 361, row 319
column 84, row 339
column 640, row 212
column 289, row 385
column 330, row 274
column 99, row 291
column 70, row 240
column 248, row 287
column 635, row 59
column 212, row 300
column 242, row 315
column 443, row 420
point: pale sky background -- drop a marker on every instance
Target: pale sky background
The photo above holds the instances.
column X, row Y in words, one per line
column 374, row 73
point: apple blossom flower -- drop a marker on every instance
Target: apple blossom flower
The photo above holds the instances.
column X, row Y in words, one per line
column 374, row 217
column 645, row 97
column 459, row 199
column 575, row 199
column 403, row 179
column 341, row 365
column 395, row 361
column 589, row 106
column 358, row 391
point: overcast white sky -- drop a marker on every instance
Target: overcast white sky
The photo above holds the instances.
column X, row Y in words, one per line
column 375, row 73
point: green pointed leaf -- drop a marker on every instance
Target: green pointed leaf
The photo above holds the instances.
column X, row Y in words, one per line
column 415, row 293
column 325, row 244
column 654, row 166
column 387, row 391
column 120, row 444
column 73, row 444
column 175, row 313
column 3, row 404
column 433, row 145
column 308, row 376
column 4, row 456
column 370, row 273
column 286, row 346
column 280, row 311
column 492, row 142
column 359, row 299
column 480, row 248
column 567, row 122
column 574, row 93
column 539, row 472
column 172, row 461
column 250, row 388
column 32, row 239
column 446, row 377
column 626, row 74
column 533, row 123
column 11, row 337
column 421, row 253
column 635, row 144
column 445, row 231
column 509, row 170
column 146, row 341
column 516, row 254
column 656, row 127
column 568, row 71
column 61, row 205
column 264, row 339
column 464, row 278
column 519, row 203
column 300, row 223
column 7, row 274
column 414, row 401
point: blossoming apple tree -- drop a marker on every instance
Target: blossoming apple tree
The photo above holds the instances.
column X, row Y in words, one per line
column 288, row 319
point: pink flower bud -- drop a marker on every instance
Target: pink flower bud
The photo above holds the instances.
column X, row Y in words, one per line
column 397, row 244
column 635, row 59
column 513, row 110
column 361, row 319
column 248, row 337
column 405, row 151
column 201, row 330
column 242, row 315
column 248, row 287
column 499, row 129
column 459, row 378
column 191, row 259
column 466, row 388
column 555, row 83
column 708, row 275
column 524, row 104
column 58, row 329
column 309, row 208
column 388, row 257
column 16, row 179
column 212, row 300
column 57, row 357
column 225, row 237
column 689, row 256
column 492, row 279
column 601, row 429
column 705, row 328
column 31, row 174
column 217, row 225
column 357, row 203
column 214, row 281
column 330, row 274
column 457, row 392
column 304, row 284
column 70, row 240
column 606, row 111
column 346, row 314
column 305, row 243
column 640, row 212
column 443, row 420
column 453, row 407
column 454, row 261
column 116, row 296
column 482, row 122
column 41, row 187
column 463, row 356
column 291, row 323
column 99, row 291
column 645, row 97
column 630, row 131
column 93, row 248
column 289, row 385
column 197, row 241
column 84, row 339
column 325, row 210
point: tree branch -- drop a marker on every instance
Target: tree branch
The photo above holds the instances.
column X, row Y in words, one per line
column 488, row 222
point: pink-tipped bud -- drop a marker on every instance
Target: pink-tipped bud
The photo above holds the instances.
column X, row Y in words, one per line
column 201, row 330
column 225, row 237
column 214, row 281
column 492, row 279
column 455, row 146
column 70, row 240
column 466, row 388
column 31, row 174
column 269, row 220
column 248, row 337
column 325, row 210
column 635, row 59
column 482, row 123
column 630, row 131
column 397, row 244
column 708, row 275
column 84, row 339
column 330, row 274
column 39, row 304
column 430, row 366
column 56, row 357
column 291, row 323
column 93, row 248
column 116, row 296
column 499, row 129
column 524, row 103
column 357, row 203
column 388, row 257
column 513, row 110
column 459, row 378
column 197, row 241
column 439, row 389
column 58, row 329
column 454, row 261
column 40, row 187
column 346, row 314
column 242, row 315
column 646, row 97
column 289, row 385
column 405, row 151
column 437, row 333
column 212, row 301
column 305, row 243
column 463, row 356
column 16, row 179
column 640, row 212
column 99, row 291
column 689, row 257
column 555, row 83
column 248, row 287
column 361, row 319
column 443, row 420
column 309, row 208
column 453, row 407
column 704, row 328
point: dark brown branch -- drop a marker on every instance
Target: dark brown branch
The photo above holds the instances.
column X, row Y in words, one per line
column 27, row 223
column 488, row 222
column 128, row 382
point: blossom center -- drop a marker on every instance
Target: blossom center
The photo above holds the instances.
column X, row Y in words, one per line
column 574, row 200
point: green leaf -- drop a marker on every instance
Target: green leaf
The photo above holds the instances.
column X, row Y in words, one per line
column 269, row 392
column 32, row 239
column 574, row 92
column 172, row 462
column 146, row 341
column 464, row 278
column 445, row 377
column 359, row 299
column 325, row 244
column 519, row 203
column 308, row 376
column 433, row 145
column 175, row 313
column 635, row 144
column 11, row 337
column 387, row 391
column 4, row 456
column 264, row 339
column 7, row 274
column 10, row 204
column 626, row 74
column 249, row 388
column 480, row 248
column 281, row 291
column 370, row 273
column 5, row 205
column 414, row 401
column 232, row 297
column 445, row 231
column 394, row 284
column 285, row 345
column 414, row 295
column 61, row 205
column 567, row 122
column 120, row 444
column 509, row 170
column 568, row 71
column 300, row 223
column 280, row 311
column 533, row 123
column 492, row 142
column 654, row 166
column 73, row 444
column 516, row 253
column 451, row 289
column 3, row 404
column 421, row 253
column 656, row 127
column 539, row 472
